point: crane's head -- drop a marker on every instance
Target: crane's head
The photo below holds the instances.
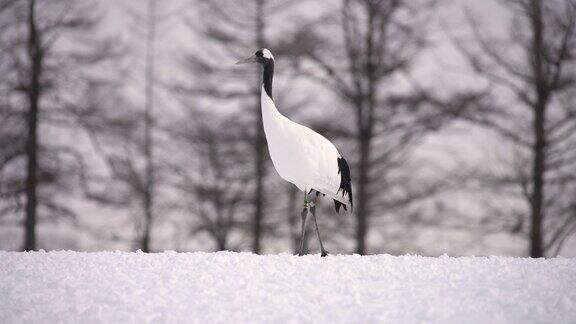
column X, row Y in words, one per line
column 263, row 57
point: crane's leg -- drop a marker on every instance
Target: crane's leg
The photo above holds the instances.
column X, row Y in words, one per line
column 304, row 215
column 313, row 212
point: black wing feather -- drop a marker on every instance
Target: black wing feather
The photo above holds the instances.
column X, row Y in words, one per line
column 345, row 184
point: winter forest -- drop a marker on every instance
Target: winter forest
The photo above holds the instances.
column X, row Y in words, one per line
column 125, row 125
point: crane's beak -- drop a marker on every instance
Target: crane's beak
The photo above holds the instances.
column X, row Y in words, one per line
column 251, row 59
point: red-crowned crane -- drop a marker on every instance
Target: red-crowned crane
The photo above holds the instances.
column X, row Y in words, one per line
column 300, row 155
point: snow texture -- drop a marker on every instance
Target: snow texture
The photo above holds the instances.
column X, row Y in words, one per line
column 170, row 287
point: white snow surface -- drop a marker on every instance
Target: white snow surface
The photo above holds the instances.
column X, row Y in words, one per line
column 170, row 287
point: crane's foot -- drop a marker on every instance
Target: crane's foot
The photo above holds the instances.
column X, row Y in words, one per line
column 324, row 253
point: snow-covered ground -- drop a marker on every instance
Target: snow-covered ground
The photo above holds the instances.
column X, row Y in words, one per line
column 72, row 287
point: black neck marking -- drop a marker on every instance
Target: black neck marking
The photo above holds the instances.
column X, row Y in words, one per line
column 268, row 75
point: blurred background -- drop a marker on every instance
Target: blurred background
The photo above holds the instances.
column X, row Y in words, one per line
column 125, row 125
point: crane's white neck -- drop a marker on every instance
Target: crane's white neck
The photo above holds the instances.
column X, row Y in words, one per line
column 268, row 75
column 271, row 117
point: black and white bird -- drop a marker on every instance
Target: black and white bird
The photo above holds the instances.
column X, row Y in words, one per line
column 300, row 155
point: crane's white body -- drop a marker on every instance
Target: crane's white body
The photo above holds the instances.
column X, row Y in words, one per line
column 300, row 155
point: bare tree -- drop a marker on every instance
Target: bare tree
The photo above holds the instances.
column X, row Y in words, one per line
column 35, row 56
column 150, row 81
column 39, row 78
column 211, row 173
column 376, row 47
column 531, row 79
column 127, row 140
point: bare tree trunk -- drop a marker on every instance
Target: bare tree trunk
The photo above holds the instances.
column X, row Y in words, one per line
column 539, row 148
column 222, row 226
column 221, row 243
column 365, row 110
column 35, row 56
column 148, row 145
column 259, row 145
column 221, row 229
column 363, row 194
column 537, row 215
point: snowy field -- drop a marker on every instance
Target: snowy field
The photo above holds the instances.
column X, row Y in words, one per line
column 114, row 287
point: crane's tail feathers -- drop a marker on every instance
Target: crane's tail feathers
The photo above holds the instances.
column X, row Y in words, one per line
column 345, row 188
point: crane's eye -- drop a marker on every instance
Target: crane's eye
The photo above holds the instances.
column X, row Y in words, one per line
column 259, row 54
